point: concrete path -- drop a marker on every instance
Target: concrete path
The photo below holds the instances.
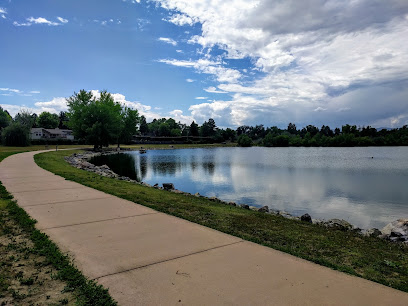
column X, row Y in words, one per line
column 149, row 258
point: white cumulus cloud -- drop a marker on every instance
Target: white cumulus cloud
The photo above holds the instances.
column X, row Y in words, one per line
column 301, row 55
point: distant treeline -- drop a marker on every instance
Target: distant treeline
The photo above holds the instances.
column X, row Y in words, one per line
column 102, row 121
column 309, row 136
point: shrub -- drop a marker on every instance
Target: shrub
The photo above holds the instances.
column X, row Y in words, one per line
column 244, row 141
column 16, row 135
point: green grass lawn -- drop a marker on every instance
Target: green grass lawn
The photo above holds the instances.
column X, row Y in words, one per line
column 370, row 258
column 7, row 151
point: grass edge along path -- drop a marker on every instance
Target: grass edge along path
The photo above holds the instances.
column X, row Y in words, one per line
column 370, row 258
column 88, row 292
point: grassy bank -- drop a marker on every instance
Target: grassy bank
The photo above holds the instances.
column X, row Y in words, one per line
column 7, row 151
column 33, row 271
column 370, row 258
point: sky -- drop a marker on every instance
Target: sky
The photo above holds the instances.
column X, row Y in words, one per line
column 240, row 62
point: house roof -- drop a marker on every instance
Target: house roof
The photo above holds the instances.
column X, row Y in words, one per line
column 51, row 131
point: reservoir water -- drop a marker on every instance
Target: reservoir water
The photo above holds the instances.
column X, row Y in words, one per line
column 367, row 186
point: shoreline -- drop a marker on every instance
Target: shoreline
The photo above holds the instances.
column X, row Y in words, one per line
column 388, row 232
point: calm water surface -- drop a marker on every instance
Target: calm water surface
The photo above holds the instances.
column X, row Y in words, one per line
column 366, row 186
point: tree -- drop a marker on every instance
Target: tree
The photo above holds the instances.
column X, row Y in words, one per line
column 164, row 129
column 256, row 132
column 326, row 131
column 129, row 122
column 143, row 127
column 194, row 129
column 25, row 118
column 97, row 121
column 34, row 116
column 244, row 141
column 47, row 120
column 5, row 118
column 244, row 129
column 292, row 128
column 63, row 120
column 229, row 134
column 268, row 140
column 16, row 134
column 208, row 129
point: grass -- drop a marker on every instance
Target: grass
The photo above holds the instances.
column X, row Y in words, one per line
column 7, row 151
column 87, row 291
column 366, row 257
column 15, row 222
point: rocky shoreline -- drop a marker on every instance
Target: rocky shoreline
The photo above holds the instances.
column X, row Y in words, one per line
column 396, row 231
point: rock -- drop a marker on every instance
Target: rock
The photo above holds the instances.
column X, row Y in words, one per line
column 306, row 218
column 357, row 230
column 232, row 203
column 214, row 199
column 244, row 206
column 264, row 209
column 285, row 215
column 156, row 186
column 197, row 195
column 398, row 228
column 253, row 208
column 168, row 186
column 177, row 191
column 373, row 232
column 318, row 221
column 342, row 225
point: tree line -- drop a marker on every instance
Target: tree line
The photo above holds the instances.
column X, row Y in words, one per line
column 15, row 131
column 102, row 121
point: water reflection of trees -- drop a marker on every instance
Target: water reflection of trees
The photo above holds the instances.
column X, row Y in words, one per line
column 122, row 164
column 169, row 165
column 165, row 165
column 137, row 166
column 209, row 164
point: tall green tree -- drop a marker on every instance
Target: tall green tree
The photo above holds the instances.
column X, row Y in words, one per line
column 25, row 118
column 208, row 129
column 143, row 127
column 63, row 120
column 292, row 128
column 194, row 131
column 130, row 121
column 5, row 118
column 47, row 120
column 97, row 121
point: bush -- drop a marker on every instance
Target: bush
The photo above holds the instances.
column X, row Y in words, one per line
column 16, row 135
column 268, row 140
column 244, row 141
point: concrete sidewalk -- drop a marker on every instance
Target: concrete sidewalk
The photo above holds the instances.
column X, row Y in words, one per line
column 145, row 257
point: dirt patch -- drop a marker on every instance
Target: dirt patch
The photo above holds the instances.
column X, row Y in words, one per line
column 26, row 277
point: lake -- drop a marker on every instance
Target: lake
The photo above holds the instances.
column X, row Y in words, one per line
column 367, row 186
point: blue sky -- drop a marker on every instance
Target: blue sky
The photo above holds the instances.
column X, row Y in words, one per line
column 237, row 61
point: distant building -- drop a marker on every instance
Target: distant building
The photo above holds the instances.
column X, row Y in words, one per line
column 51, row 134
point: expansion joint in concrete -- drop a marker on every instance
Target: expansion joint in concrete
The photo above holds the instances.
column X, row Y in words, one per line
column 97, row 221
column 70, row 201
column 169, row 259
column 51, row 189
